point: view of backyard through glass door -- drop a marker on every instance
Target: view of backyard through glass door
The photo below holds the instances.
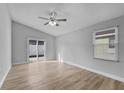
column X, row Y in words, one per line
column 36, row 50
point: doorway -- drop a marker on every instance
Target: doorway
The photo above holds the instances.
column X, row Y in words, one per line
column 36, row 50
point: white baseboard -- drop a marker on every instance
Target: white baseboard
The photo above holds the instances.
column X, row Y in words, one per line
column 4, row 77
column 115, row 77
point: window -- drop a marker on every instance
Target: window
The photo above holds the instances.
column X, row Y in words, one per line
column 106, row 44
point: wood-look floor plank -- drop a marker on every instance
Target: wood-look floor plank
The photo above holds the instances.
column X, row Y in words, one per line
column 55, row 75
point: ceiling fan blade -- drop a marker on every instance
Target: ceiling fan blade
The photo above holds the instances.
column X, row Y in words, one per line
column 61, row 19
column 43, row 18
column 46, row 23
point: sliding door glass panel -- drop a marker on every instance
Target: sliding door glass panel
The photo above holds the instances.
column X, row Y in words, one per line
column 41, row 49
column 32, row 50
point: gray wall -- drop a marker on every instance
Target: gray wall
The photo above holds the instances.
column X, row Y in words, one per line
column 5, row 42
column 20, row 33
column 77, row 47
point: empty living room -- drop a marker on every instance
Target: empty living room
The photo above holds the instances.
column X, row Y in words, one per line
column 61, row 46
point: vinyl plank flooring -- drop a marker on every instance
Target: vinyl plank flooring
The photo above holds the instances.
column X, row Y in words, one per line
column 56, row 76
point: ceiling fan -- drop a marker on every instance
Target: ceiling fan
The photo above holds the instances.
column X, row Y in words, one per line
column 52, row 20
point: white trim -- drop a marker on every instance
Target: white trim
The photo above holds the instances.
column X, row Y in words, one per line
column 4, row 77
column 115, row 77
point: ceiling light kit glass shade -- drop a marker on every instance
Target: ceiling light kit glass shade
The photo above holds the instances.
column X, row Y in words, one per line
column 52, row 23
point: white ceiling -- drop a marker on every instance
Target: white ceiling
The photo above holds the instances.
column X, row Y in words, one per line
column 78, row 15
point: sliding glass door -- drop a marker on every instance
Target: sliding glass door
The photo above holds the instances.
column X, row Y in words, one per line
column 36, row 50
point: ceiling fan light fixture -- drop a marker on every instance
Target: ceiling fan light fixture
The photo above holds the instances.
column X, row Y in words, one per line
column 52, row 23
